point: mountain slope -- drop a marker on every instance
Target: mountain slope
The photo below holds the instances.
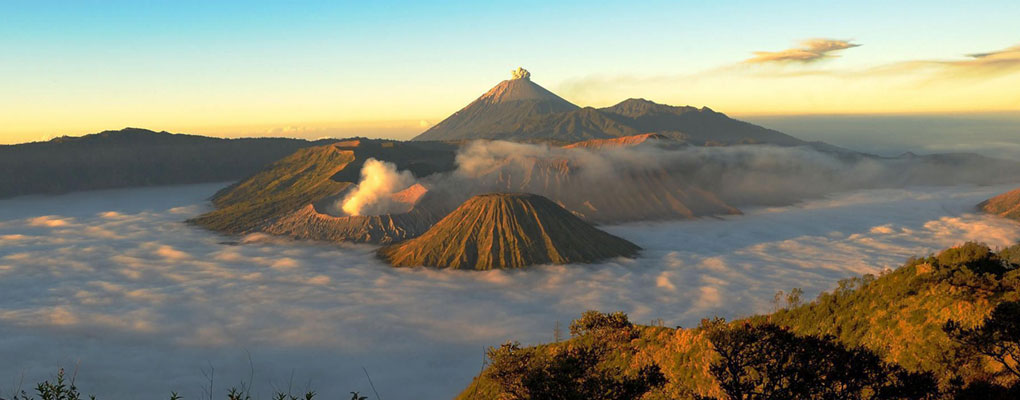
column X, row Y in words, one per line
column 698, row 126
column 503, row 230
column 1005, row 205
column 581, row 124
column 499, row 110
column 283, row 197
column 521, row 110
column 284, row 186
column 898, row 316
column 622, row 141
column 133, row 157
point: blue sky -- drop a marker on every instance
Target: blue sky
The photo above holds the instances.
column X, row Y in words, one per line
column 77, row 66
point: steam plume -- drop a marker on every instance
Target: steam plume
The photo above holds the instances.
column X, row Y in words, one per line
column 740, row 176
column 379, row 181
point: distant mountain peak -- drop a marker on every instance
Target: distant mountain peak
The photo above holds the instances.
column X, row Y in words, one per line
column 633, row 107
column 521, row 73
column 520, row 109
column 499, row 110
column 521, row 88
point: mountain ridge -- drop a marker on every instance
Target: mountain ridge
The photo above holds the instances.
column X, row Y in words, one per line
column 521, row 110
column 134, row 157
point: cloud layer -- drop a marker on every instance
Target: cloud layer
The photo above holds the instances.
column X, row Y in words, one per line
column 809, row 51
column 115, row 281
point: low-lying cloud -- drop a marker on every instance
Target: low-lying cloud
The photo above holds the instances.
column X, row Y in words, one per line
column 741, row 176
column 150, row 310
column 810, row 50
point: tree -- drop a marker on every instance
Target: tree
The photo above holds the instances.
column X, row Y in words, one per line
column 575, row 370
column 975, row 256
column 998, row 337
column 1010, row 256
column 594, row 322
column 793, row 299
column 765, row 361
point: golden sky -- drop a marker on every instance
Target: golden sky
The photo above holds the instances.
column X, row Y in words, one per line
column 328, row 69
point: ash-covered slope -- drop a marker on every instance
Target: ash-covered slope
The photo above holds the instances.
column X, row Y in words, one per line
column 309, row 223
column 1005, row 205
column 623, row 141
column 499, row 110
column 503, row 230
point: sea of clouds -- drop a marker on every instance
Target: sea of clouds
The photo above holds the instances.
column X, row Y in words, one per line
column 114, row 282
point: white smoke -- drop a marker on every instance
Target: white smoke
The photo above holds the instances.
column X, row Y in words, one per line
column 753, row 175
column 379, row 181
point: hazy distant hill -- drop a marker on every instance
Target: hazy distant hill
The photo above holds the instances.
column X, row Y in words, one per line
column 699, row 126
column 133, row 157
column 520, row 110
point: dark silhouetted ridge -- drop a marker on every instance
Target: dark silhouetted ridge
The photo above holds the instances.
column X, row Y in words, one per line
column 133, row 157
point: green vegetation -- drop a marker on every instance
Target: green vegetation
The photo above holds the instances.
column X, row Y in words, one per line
column 580, row 370
column 901, row 313
column 943, row 326
column 998, row 338
column 765, row 361
column 63, row 388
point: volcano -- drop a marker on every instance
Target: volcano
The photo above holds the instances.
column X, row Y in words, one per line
column 499, row 110
column 504, row 230
column 518, row 109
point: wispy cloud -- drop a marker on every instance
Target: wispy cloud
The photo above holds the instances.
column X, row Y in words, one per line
column 810, row 50
column 794, row 81
column 977, row 65
column 1008, row 58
